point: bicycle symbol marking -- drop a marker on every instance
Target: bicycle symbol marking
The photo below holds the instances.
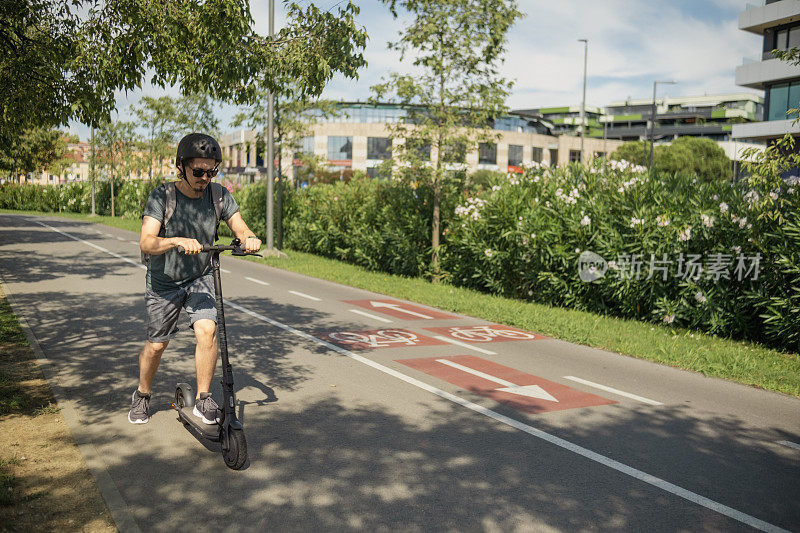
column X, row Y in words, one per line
column 486, row 333
column 381, row 338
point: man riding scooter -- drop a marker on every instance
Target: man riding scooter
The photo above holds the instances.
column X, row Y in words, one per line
column 185, row 214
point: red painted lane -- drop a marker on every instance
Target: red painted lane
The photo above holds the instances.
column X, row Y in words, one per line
column 486, row 333
column 399, row 309
column 567, row 397
column 376, row 338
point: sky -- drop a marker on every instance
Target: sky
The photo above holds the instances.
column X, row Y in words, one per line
column 631, row 43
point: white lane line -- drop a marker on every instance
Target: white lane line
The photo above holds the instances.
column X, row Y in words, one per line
column 225, row 270
column 370, row 315
column 552, row 439
column 303, row 295
column 134, row 242
column 790, row 444
column 464, row 345
column 109, row 252
column 121, row 239
column 538, row 433
column 614, row 391
column 254, row 280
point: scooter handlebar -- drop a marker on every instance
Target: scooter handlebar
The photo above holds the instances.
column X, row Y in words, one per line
column 235, row 246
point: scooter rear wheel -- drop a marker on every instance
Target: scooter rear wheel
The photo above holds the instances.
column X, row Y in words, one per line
column 234, row 448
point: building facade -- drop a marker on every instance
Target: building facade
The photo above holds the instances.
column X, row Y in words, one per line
column 778, row 21
column 359, row 138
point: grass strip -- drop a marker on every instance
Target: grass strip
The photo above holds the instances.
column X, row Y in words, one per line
column 741, row 361
column 45, row 484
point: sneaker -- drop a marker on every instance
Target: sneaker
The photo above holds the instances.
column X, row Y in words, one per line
column 206, row 409
column 139, row 404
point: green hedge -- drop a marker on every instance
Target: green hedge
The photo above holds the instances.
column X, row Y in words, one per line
column 522, row 237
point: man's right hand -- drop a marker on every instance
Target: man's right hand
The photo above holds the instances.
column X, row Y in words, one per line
column 190, row 246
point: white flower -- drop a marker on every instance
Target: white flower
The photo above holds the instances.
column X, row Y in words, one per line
column 662, row 220
column 723, row 207
column 577, row 250
column 700, row 297
column 669, row 318
column 533, row 235
column 636, row 221
column 530, row 293
column 773, row 195
column 495, row 187
column 707, row 220
column 790, row 190
column 585, row 221
column 686, row 234
column 715, row 197
column 488, row 252
column 736, row 249
column 742, row 222
column 751, row 197
column 612, row 265
column 547, row 203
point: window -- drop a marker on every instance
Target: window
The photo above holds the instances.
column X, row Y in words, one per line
column 340, row 148
column 574, row 156
column 454, row 153
column 487, row 153
column 379, row 148
column 537, row 154
column 553, row 157
column 305, row 146
column 781, row 98
column 419, row 148
column 514, row 155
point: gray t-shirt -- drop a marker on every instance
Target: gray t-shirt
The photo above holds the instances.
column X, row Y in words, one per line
column 194, row 218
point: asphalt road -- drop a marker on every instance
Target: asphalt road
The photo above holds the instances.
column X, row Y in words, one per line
column 353, row 425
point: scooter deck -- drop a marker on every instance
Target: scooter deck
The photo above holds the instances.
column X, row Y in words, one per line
column 208, row 431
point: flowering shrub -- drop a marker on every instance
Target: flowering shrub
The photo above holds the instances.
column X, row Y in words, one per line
column 715, row 256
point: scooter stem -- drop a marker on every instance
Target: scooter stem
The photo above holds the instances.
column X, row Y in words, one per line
column 228, row 395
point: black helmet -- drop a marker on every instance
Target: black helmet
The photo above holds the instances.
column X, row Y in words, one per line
column 198, row 145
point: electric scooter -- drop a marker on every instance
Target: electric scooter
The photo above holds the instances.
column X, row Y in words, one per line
column 229, row 432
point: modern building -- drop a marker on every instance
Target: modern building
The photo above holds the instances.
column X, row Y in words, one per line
column 358, row 138
column 778, row 21
column 566, row 120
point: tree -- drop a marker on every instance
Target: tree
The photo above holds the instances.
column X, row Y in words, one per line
column 633, row 152
column 62, row 60
column 35, row 150
column 700, row 156
column 294, row 115
column 451, row 103
column 116, row 141
column 159, row 117
column 696, row 155
column 195, row 113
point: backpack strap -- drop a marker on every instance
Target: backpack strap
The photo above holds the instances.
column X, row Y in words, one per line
column 217, row 192
column 169, row 205
column 169, row 209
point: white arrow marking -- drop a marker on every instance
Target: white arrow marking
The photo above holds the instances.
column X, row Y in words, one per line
column 398, row 308
column 533, row 391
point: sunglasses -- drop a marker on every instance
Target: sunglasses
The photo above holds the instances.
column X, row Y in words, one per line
column 198, row 172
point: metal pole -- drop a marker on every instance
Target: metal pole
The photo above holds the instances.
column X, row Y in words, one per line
column 652, row 124
column 270, row 142
column 91, row 170
column 583, row 101
column 653, row 119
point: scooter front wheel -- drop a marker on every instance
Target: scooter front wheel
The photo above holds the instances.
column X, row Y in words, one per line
column 234, row 448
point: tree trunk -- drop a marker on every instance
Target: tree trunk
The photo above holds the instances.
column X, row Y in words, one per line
column 435, row 231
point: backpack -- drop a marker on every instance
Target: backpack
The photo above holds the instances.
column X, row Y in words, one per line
column 172, row 201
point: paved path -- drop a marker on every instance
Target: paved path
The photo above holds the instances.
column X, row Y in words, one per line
column 360, row 418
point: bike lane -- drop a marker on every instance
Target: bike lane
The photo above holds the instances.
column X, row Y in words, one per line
column 351, row 407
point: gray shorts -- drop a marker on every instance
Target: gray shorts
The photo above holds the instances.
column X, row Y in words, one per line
column 164, row 307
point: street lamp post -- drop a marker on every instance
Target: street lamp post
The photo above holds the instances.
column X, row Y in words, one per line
column 583, row 101
column 270, row 144
column 653, row 118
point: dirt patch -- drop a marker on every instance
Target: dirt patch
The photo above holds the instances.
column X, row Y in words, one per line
column 45, row 484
